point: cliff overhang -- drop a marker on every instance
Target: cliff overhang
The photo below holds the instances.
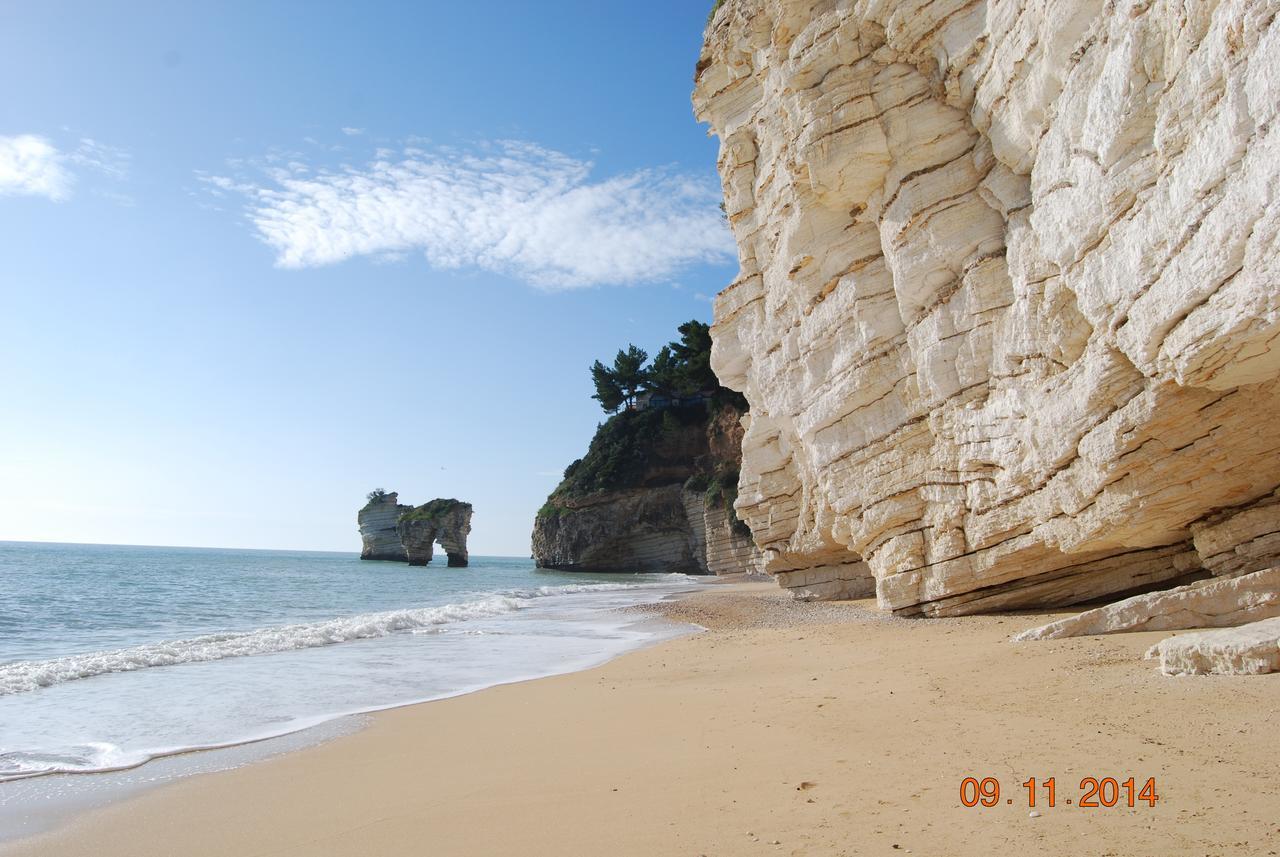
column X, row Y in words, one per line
column 1008, row 314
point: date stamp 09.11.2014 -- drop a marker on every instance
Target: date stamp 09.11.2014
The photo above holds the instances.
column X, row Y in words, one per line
column 1094, row 792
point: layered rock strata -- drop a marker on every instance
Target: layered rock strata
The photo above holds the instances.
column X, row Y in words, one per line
column 1252, row 649
column 660, row 518
column 378, row 535
column 1008, row 310
column 1208, row 604
column 635, row 530
column 445, row 521
column 719, row 545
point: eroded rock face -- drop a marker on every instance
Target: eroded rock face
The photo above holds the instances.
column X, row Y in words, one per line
column 378, row 534
column 1008, row 308
column 654, row 521
column 637, row 530
column 1252, row 649
column 1207, row 604
column 445, row 521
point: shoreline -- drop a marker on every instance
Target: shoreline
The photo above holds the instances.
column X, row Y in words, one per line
column 64, row 796
column 825, row 728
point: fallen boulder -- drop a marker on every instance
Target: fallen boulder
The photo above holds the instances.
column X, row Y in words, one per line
column 1252, row 649
column 1205, row 604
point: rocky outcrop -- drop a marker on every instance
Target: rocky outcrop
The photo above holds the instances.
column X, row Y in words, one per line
column 1208, row 604
column 378, row 534
column 1008, row 315
column 635, row 530
column 398, row 533
column 650, row 497
column 445, row 521
column 726, row 542
column 1252, row 649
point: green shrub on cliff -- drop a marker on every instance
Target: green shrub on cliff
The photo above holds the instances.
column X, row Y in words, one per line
column 624, row 447
column 551, row 511
column 722, row 488
column 711, row 16
column 432, row 510
column 722, row 492
column 697, row 483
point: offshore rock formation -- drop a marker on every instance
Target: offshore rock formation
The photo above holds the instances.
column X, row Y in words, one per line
column 654, row 499
column 1208, row 604
column 1252, row 649
column 378, row 534
column 445, row 521
column 398, row 533
column 1009, row 306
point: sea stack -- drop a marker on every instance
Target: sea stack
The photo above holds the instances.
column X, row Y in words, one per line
column 445, row 521
column 378, row 533
column 398, row 533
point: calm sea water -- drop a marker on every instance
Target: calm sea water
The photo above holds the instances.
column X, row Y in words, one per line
column 111, row 656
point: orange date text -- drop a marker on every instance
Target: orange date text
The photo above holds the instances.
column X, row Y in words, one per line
column 1094, row 792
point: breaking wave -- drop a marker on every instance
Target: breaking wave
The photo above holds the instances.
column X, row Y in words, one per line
column 26, row 676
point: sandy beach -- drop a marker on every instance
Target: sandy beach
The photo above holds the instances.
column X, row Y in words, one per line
column 786, row 728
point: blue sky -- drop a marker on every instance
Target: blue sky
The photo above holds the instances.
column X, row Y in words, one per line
column 261, row 258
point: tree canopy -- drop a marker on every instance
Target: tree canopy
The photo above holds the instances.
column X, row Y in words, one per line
column 619, row 384
column 680, row 368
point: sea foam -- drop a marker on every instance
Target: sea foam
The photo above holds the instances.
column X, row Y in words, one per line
column 26, row 676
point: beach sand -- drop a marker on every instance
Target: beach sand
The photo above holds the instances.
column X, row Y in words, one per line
column 785, row 729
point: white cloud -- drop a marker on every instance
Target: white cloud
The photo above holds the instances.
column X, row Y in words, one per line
column 511, row 208
column 32, row 166
column 353, row 132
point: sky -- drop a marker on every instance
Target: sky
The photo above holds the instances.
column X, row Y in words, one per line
column 261, row 258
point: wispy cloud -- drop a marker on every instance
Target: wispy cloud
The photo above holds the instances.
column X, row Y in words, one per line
column 108, row 160
column 32, row 166
column 352, row 132
column 509, row 207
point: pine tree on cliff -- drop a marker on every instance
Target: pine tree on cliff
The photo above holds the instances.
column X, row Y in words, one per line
column 680, row 368
column 621, row 384
column 608, row 393
column 666, row 374
column 628, row 372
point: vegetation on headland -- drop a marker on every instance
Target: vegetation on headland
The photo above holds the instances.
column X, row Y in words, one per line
column 714, row 9
column 630, row 442
column 432, row 510
column 719, row 490
column 624, row 447
column 680, row 369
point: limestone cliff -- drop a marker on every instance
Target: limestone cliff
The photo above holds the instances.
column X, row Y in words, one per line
column 1008, row 308
column 445, row 521
column 377, row 522
column 391, row 531
column 653, row 494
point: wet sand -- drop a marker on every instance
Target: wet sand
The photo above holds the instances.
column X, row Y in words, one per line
column 784, row 729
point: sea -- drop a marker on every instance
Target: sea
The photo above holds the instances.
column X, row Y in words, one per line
column 114, row 656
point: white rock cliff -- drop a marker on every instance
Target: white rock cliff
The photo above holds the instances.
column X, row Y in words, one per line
column 1008, row 308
